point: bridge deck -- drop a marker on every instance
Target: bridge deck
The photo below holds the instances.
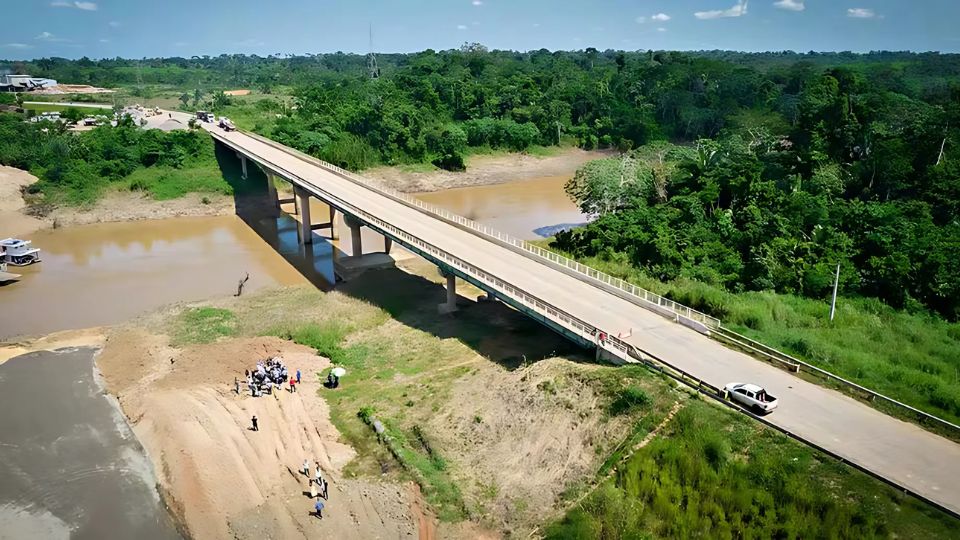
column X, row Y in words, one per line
column 899, row 451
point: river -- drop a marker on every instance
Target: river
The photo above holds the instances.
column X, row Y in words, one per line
column 70, row 466
column 106, row 273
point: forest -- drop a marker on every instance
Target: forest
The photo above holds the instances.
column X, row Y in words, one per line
column 746, row 171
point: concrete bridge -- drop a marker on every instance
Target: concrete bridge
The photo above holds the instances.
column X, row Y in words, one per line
column 622, row 322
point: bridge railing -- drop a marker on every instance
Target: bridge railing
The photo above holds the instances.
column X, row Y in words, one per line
column 583, row 330
column 637, row 295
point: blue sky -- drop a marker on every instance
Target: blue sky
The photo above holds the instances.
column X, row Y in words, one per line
column 138, row 28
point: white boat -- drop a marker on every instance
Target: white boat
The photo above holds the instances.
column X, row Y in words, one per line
column 18, row 252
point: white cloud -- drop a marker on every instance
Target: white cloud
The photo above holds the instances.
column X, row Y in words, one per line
column 661, row 29
column 477, row 2
column 461, row 27
column 18, row 46
column 641, row 20
column 790, row 5
column 85, row 6
column 47, row 36
column 114, row 24
column 739, row 9
column 536, row 25
column 861, row 13
column 662, row 17
column 104, row 40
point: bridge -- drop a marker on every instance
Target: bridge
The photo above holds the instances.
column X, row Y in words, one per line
column 623, row 323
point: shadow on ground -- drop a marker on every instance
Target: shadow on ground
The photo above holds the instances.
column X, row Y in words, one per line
column 278, row 229
column 492, row 329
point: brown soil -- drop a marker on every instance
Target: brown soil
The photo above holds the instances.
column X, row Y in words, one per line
column 223, row 480
column 13, row 220
column 484, row 170
column 126, row 206
column 88, row 337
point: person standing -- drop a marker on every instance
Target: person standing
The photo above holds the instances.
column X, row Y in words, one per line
column 318, row 508
column 326, row 488
column 319, row 477
column 293, row 387
column 298, row 376
column 254, row 421
column 306, row 468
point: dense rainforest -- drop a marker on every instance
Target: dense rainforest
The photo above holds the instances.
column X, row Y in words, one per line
column 746, row 171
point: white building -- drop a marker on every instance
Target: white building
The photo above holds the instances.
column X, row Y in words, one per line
column 24, row 83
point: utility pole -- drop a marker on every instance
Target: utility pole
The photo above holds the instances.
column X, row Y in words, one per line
column 833, row 303
column 372, row 66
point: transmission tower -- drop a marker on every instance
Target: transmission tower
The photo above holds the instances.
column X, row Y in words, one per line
column 372, row 67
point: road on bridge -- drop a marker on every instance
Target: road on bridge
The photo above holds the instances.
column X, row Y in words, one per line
column 904, row 453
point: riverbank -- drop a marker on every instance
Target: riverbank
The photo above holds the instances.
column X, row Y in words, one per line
column 485, row 170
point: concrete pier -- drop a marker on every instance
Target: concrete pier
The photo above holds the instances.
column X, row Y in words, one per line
column 356, row 239
column 451, row 304
column 272, row 197
column 303, row 201
column 243, row 165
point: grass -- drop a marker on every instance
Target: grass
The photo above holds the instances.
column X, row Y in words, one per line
column 164, row 182
column 719, row 475
column 911, row 357
column 204, row 325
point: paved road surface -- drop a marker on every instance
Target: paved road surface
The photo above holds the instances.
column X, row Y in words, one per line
column 902, row 452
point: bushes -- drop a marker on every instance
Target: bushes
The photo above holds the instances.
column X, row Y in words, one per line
column 501, row 133
column 690, row 485
column 75, row 168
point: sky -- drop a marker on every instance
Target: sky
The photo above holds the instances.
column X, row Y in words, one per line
column 154, row 28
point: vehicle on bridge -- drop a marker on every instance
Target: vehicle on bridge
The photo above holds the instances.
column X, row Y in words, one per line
column 205, row 116
column 226, row 124
column 752, row 397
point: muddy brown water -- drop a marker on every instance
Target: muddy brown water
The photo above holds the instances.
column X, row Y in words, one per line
column 70, row 466
column 516, row 208
column 106, row 273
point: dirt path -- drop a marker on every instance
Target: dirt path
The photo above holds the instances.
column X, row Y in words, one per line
column 483, row 170
column 223, row 480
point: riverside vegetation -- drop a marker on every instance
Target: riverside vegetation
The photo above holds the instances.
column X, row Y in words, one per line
column 708, row 471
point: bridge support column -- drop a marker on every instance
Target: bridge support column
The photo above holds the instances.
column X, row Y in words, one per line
column 451, row 304
column 356, row 239
column 303, row 201
column 243, row 164
column 273, row 201
column 387, row 244
column 333, row 223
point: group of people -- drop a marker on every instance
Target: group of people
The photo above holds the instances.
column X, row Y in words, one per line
column 319, row 487
column 268, row 375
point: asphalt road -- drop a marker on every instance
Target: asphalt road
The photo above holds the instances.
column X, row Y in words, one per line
column 899, row 451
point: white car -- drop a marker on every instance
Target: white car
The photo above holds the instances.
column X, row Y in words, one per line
column 751, row 396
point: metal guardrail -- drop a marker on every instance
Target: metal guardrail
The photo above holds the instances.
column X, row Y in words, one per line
column 583, row 330
column 621, row 348
column 639, row 295
column 784, row 358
